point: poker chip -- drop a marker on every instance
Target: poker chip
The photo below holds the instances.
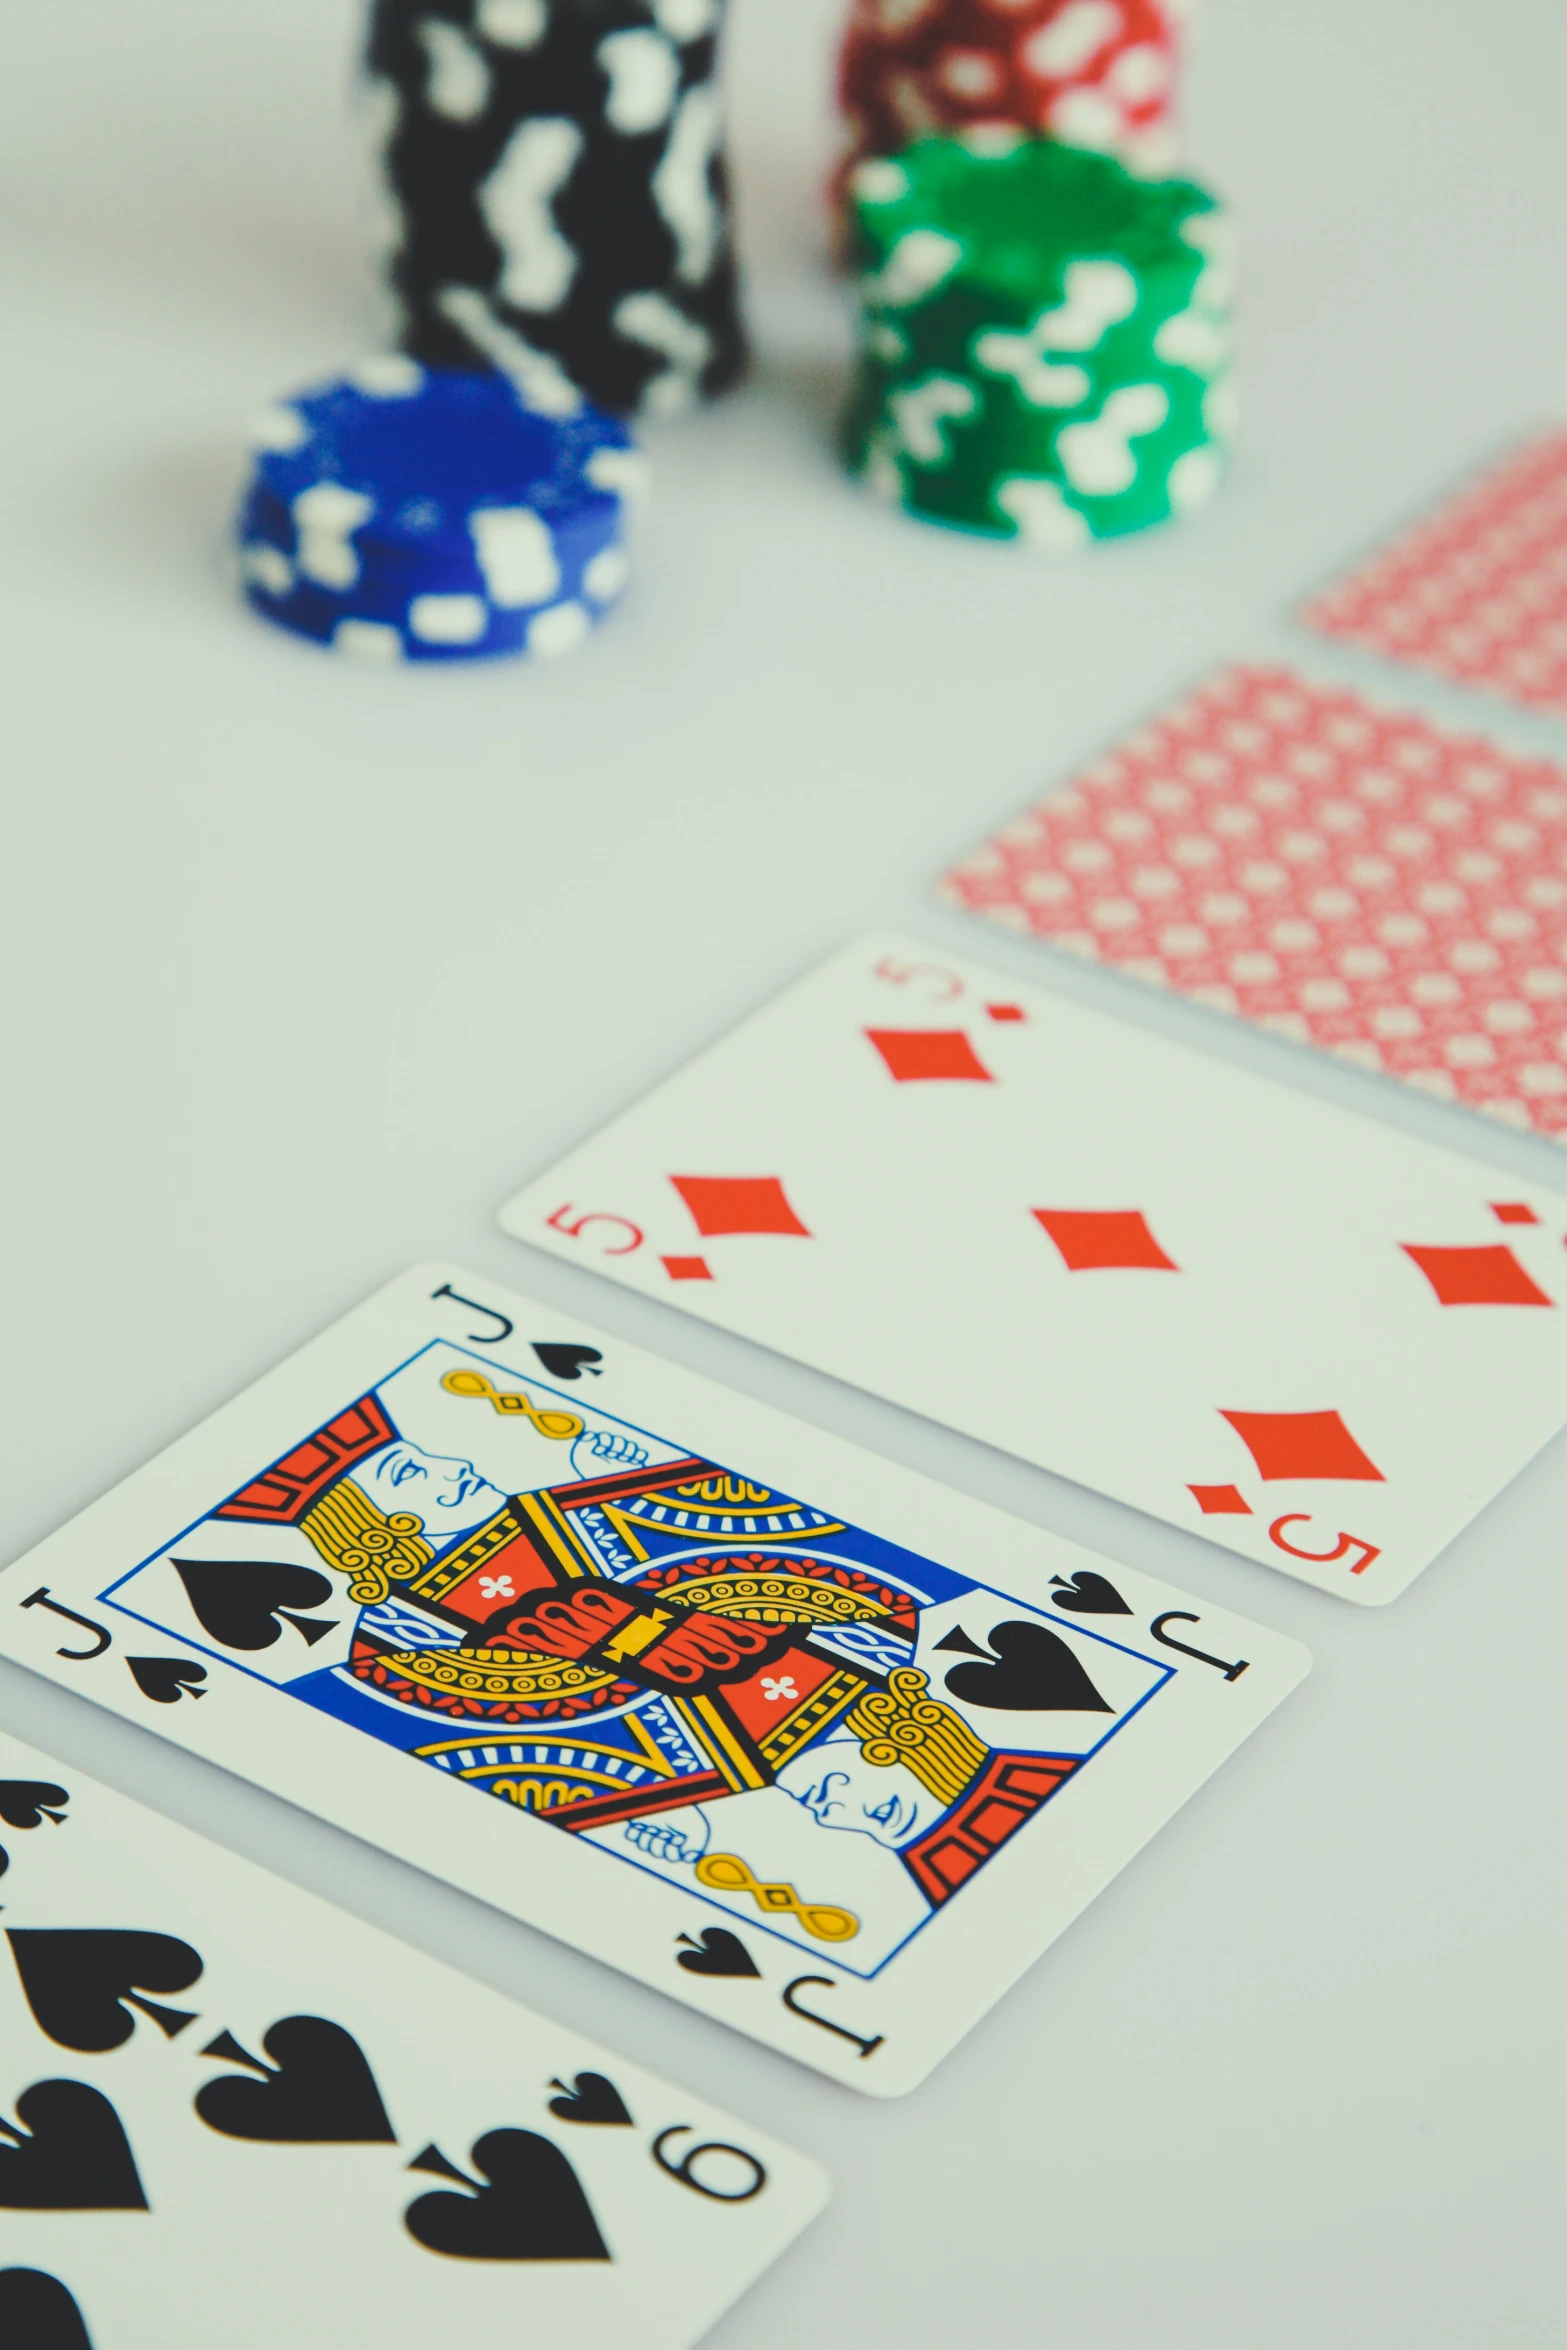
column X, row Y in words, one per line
column 1046, row 344
column 556, row 192
column 431, row 514
column 1093, row 73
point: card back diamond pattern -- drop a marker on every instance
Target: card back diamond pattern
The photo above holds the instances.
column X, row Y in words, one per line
column 1348, row 876
column 1479, row 591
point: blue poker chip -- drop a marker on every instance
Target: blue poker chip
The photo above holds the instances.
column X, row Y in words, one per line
column 427, row 514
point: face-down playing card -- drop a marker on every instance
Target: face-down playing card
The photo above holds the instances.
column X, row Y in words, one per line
column 1322, row 1343
column 1346, row 876
column 816, row 1746
column 1476, row 591
column 229, row 2114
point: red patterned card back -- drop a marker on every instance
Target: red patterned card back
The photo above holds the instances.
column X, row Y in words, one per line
column 1479, row 591
column 1348, row 876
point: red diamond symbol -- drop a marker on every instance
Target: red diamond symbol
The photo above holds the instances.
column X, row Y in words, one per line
column 1478, row 1276
column 688, row 1268
column 916, row 1055
column 1303, row 1444
column 722, row 1204
column 1091, row 1240
column 1006, row 1011
column 1513, row 1211
column 1221, row 1501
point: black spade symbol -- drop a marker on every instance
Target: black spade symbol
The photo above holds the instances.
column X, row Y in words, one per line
column 37, row 2313
column 239, row 1601
column 1089, row 1594
column 81, row 1982
column 718, row 1953
column 24, row 1803
column 318, row 2091
column 71, row 2153
column 592, row 2099
column 166, row 1679
column 1035, row 1672
column 533, row 2207
column 567, row 1362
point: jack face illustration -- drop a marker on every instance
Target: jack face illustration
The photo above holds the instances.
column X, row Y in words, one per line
column 648, row 1650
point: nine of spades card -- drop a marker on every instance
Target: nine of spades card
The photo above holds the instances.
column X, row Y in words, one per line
column 229, row 2070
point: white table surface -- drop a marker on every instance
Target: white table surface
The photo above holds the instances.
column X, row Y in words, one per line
column 303, row 969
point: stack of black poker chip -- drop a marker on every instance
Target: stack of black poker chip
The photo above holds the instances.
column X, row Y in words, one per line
column 557, row 174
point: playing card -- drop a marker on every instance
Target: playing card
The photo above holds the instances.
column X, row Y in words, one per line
column 1345, row 875
column 229, row 2114
column 1479, row 591
column 820, row 1748
column 1324, row 1344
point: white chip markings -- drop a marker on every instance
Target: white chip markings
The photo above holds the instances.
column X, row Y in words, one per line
column 644, row 79
column 919, row 262
column 1043, row 517
column 686, row 20
column 458, row 84
column 881, row 182
column 516, row 200
column 448, row 620
column 279, row 430
column 1072, row 39
column 922, row 412
column 652, row 319
column 606, row 576
column 682, row 184
column 388, row 375
column 326, row 517
column 560, row 630
column 1099, row 295
column 374, row 642
column 516, row 553
column 1194, row 480
column 1098, row 455
column 513, row 24
column 539, row 380
column 267, row 567
column 623, row 472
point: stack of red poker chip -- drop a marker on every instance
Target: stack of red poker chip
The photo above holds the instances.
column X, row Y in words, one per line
column 1092, row 73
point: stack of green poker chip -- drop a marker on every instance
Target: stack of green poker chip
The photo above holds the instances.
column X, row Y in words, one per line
column 1046, row 340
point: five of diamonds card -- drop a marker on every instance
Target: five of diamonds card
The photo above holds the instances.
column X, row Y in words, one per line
column 230, row 2114
column 1321, row 1342
column 826, row 1751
